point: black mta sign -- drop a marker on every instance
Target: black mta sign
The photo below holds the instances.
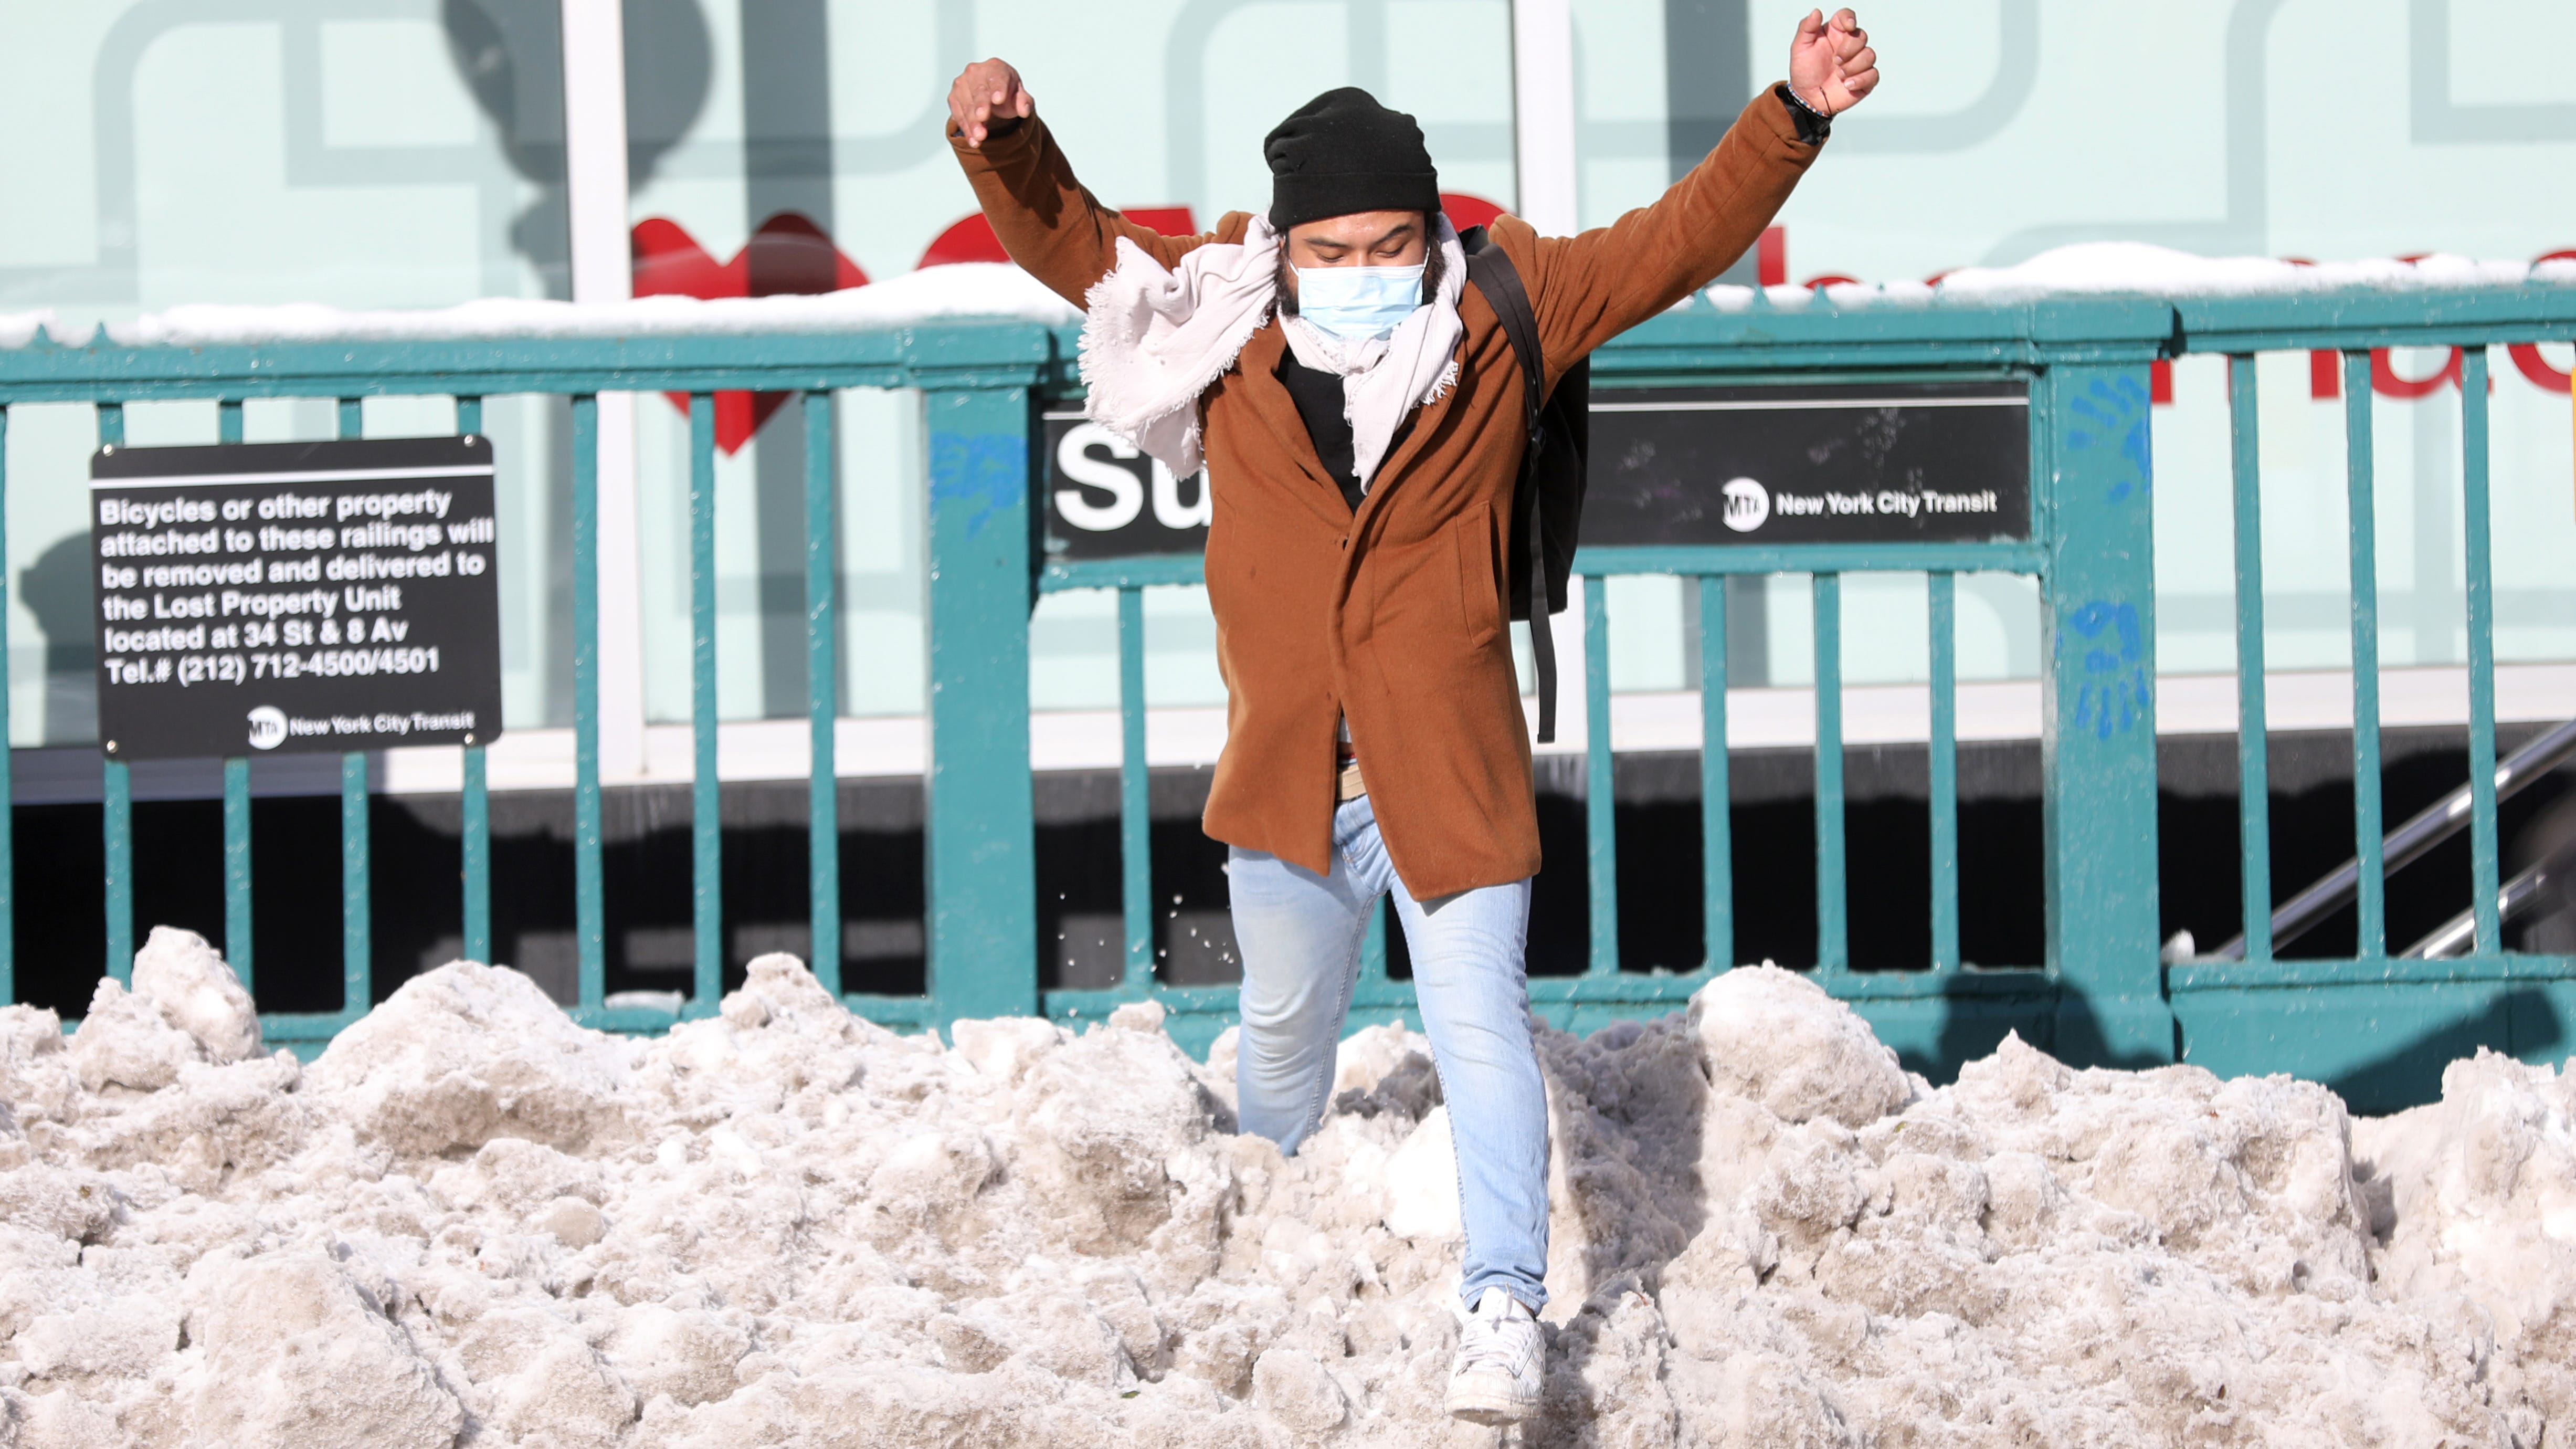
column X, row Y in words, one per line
column 1897, row 462
column 1905, row 462
column 295, row 597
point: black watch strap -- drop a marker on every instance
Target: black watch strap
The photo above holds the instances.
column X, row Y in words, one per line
column 1813, row 125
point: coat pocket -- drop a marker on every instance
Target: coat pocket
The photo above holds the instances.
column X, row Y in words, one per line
column 1480, row 595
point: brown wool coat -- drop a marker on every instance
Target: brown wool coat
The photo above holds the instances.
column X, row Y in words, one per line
column 1394, row 616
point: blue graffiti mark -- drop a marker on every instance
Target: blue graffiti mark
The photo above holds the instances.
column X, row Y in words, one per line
column 984, row 473
column 2098, row 617
column 2117, row 408
column 2116, row 707
column 2133, row 447
column 2116, row 650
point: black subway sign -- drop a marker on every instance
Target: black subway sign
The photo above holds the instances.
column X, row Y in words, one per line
column 1106, row 499
column 295, row 597
column 1879, row 463
column 1915, row 462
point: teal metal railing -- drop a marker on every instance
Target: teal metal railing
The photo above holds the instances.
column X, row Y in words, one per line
column 2377, row 1026
column 2377, row 1022
column 977, row 379
column 2100, row 993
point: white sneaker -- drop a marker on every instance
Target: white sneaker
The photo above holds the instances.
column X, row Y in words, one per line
column 1495, row 1377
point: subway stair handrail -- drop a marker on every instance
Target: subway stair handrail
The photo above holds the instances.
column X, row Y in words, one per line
column 2409, row 842
column 2516, row 898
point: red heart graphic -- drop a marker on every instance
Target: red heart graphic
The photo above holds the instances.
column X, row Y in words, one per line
column 787, row 254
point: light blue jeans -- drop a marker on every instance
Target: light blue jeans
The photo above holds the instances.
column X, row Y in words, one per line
column 1300, row 934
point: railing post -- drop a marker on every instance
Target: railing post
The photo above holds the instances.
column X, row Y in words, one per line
column 706, row 792
column 474, row 844
column 1600, row 781
column 590, row 912
column 2097, row 713
column 982, row 824
column 357, row 902
column 116, row 794
column 237, row 896
column 1716, row 798
column 822, row 695
column 2361, row 539
column 2480, row 559
column 1135, row 797
column 1833, row 897
column 2253, row 731
column 1941, row 592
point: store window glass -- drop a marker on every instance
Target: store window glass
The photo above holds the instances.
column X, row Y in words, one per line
column 393, row 153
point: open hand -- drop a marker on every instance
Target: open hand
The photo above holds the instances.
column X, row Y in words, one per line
column 1831, row 66
column 987, row 92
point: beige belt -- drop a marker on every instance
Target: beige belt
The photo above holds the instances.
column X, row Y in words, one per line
column 1347, row 786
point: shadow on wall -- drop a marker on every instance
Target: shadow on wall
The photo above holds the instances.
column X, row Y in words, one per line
column 56, row 589
column 510, row 56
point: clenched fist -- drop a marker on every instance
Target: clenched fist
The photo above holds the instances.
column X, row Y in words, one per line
column 1831, row 66
column 986, row 92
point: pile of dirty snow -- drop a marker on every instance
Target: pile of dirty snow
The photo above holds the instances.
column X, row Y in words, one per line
column 472, row 1223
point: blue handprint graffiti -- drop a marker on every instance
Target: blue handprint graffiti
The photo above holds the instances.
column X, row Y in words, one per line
column 2115, row 409
column 981, row 472
column 2115, row 693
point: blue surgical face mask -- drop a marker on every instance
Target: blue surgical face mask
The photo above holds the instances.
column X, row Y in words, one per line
column 1358, row 303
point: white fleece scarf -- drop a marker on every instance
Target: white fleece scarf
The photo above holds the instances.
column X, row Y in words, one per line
column 1154, row 340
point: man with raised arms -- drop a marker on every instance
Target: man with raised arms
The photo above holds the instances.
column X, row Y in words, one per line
column 1360, row 414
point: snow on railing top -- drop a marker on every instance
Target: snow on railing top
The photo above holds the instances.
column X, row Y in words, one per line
column 988, row 290
column 2137, row 269
column 956, row 292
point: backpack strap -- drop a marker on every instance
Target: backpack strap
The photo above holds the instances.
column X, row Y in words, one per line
column 1493, row 274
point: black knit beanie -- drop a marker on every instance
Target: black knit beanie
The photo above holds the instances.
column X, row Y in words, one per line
column 1343, row 152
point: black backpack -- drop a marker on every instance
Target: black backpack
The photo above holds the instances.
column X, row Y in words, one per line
column 1547, row 504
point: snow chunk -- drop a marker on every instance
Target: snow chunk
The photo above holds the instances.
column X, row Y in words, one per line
column 300, row 1357
column 1005, row 1047
column 127, row 1335
column 1422, row 1183
column 1776, row 1037
column 184, row 977
column 186, row 1007
column 2477, row 1193
column 124, row 1041
column 687, row 1355
column 1367, row 1055
column 466, row 1053
column 1293, row 1386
